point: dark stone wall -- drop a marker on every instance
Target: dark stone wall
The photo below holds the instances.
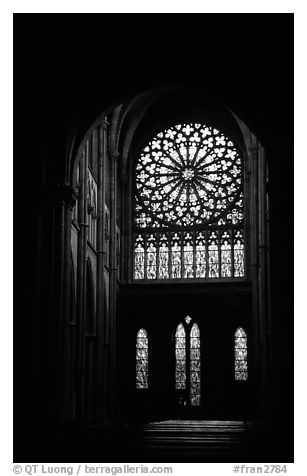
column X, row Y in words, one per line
column 218, row 309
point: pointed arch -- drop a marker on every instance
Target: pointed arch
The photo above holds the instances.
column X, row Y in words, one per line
column 180, row 352
column 195, row 365
column 240, row 354
column 188, row 365
column 141, row 359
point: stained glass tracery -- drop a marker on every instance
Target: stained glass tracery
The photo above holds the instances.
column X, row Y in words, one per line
column 238, row 254
column 189, row 206
column 151, row 257
column 240, row 348
column 163, row 256
column 195, row 365
column 187, row 353
column 189, row 174
column 226, row 259
column 142, row 359
column 139, row 257
column 180, row 350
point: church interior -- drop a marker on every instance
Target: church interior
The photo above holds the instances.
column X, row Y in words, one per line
column 153, row 215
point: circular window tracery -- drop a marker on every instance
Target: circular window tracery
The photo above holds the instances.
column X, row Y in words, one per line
column 189, row 174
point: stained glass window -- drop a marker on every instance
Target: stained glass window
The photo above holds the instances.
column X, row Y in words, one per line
column 176, row 255
column 180, row 349
column 188, row 319
column 213, row 252
column 195, row 365
column 163, row 256
column 238, row 254
column 142, row 359
column 226, row 255
column 200, row 255
column 188, row 257
column 139, row 258
column 151, row 255
column 240, row 348
column 189, row 206
column 187, row 352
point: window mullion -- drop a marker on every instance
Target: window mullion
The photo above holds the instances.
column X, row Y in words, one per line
column 181, row 234
column 169, row 236
column 219, row 252
column 232, row 253
column 194, row 253
column 188, row 364
column 207, row 253
column 145, row 255
column 157, row 254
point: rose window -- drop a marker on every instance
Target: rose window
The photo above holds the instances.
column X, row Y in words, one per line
column 188, row 174
column 189, row 205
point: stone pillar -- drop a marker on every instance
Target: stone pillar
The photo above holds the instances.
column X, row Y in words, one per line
column 254, row 340
column 113, row 289
column 126, row 229
column 68, row 202
column 263, row 278
column 100, row 291
column 52, row 325
column 268, row 289
column 259, row 272
column 81, row 286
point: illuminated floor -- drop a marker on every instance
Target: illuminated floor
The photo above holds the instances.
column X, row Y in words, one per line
column 165, row 441
column 207, row 440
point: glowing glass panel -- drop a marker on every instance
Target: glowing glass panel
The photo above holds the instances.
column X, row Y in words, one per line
column 189, row 207
column 187, row 175
column 180, row 352
column 142, row 359
column 195, row 365
column 240, row 348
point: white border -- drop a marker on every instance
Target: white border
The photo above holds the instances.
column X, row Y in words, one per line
column 150, row 6
column 300, row 196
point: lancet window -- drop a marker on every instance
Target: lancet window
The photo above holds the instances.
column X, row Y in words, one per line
column 240, row 357
column 187, row 353
column 142, row 359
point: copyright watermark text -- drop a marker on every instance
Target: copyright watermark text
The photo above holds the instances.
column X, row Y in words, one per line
column 81, row 469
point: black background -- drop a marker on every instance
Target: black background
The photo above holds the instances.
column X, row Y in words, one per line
column 68, row 68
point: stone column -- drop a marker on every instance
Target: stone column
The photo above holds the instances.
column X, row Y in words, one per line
column 259, row 275
column 254, row 342
column 113, row 289
column 263, row 278
column 52, row 325
column 68, row 202
column 100, row 291
column 268, row 288
column 81, row 286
